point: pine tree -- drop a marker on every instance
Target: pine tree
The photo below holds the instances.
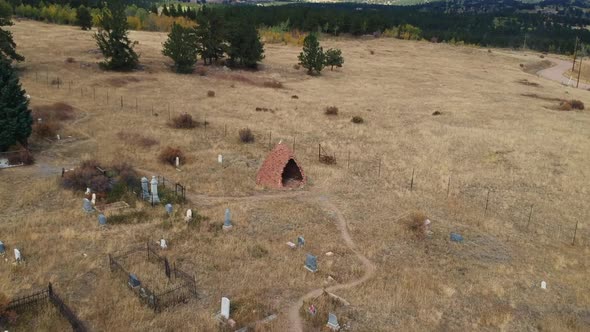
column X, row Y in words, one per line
column 334, row 58
column 15, row 117
column 181, row 47
column 244, row 46
column 7, row 45
column 312, row 57
column 210, row 34
column 84, row 18
column 165, row 11
column 113, row 40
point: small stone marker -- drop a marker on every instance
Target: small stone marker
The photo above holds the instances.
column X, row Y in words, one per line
column 154, row 197
column 225, row 307
column 227, row 223
column 311, row 263
column 2, row 248
column 291, row 245
column 168, row 208
column 88, row 191
column 58, row 137
column 333, row 322
column 300, row 241
column 456, row 237
column 220, row 159
column 102, row 220
column 17, row 255
column 163, row 244
column 93, row 200
column 189, row 215
column 329, row 254
column 177, row 162
column 133, row 281
column 543, row 285
column 145, row 193
column 87, row 205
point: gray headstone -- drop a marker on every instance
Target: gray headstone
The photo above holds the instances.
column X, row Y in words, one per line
column 311, row 263
column 102, row 219
column 2, row 248
column 225, row 307
column 227, row 223
column 333, row 322
column 133, row 281
column 87, row 205
column 168, row 208
column 456, row 237
column 154, row 198
column 300, row 241
column 145, row 191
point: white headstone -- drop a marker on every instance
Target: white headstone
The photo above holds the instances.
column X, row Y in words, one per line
column 177, row 162
column 225, row 307
column 58, row 137
column 154, row 184
column 17, row 255
column 543, row 285
column 189, row 215
column 163, row 244
column 88, row 191
column 93, row 200
column 220, row 159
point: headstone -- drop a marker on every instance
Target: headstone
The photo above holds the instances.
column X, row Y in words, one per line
column 154, row 198
column 145, row 193
column 93, row 200
column 17, row 255
column 189, row 215
column 168, row 208
column 227, row 223
column 87, row 206
column 311, row 263
column 329, row 254
column 333, row 322
column 163, row 244
column 300, row 241
column 543, row 285
column 39, row 120
column 291, row 245
column 177, row 162
column 220, row 159
column 102, row 219
column 4, row 162
column 455, row 237
column 225, row 307
column 133, row 281
column 88, row 191
column 58, row 137
column 2, row 248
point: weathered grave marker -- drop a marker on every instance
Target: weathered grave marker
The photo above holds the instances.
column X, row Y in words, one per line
column 311, row 263
column 543, row 285
column 189, row 215
column 145, row 193
column 2, row 248
column 88, row 191
column 300, row 241
column 291, row 245
column 177, row 162
column 456, row 237
column 163, row 244
column 220, row 159
column 169, row 209
column 225, row 307
column 133, row 281
column 87, row 205
column 154, row 197
column 102, row 219
column 93, row 200
column 227, row 223
column 17, row 255
column 333, row 322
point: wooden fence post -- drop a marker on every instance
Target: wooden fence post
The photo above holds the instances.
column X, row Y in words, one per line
column 575, row 231
column 449, row 186
column 412, row 181
column 487, row 200
column 530, row 215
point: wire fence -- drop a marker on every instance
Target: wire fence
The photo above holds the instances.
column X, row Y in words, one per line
column 521, row 204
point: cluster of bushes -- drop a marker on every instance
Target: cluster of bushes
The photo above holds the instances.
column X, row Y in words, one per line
column 275, row 36
column 404, row 31
column 169, row 154
column 314, row 59
column 87, row 175
column 48, row 117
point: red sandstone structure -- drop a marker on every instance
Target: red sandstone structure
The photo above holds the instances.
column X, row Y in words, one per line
column 281, row 170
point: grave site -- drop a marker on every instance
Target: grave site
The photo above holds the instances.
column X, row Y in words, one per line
column 457, row 202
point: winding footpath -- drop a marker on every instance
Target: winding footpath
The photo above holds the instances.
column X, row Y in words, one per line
column 557, row 72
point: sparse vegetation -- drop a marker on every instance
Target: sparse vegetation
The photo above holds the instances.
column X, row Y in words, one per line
column 87, row 175
column 331, row 110
column 136, row 139
column 184, row 121
column 357, row 119
column 246, row 135
column 169, row 154
column 211, row 93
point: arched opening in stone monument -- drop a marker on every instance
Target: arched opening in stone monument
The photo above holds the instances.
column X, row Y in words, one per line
column 292, row 176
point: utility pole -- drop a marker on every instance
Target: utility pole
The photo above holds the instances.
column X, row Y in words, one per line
column 524, row 44
column 575, row 53
column 580, row 72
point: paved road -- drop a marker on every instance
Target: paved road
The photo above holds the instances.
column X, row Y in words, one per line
column 556, row 73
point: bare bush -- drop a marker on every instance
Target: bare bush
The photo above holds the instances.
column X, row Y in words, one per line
column 210, row 93
column 273, row 84
column 23, row 157
column 331, row 110
column 357, row 119
column 45, row 129
column 57, row 111
column 246, row 135
column 70, row 60
column 565, row 106
column 418, row 224
column 86, row 176
column 184, row 121
column 577, row 104
column 296, row 66
column 169, row 154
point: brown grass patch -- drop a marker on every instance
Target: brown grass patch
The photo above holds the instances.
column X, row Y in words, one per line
column 169, row 154
column 577, row 104
column 533, row 68
column 136, row 139
column 357, row 119
column 210, row 93
column 565, row 106
column 122, row 81
column 183, row 121
column 274, row 84
column 331, row 110
column 528, row 83
column 70, row 60
column 246, row 135
column 46, row 129
column 23, row 157
column 59, row 111
column 534, row 95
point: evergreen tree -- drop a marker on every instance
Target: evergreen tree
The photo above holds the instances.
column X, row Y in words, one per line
column 7, row 45
column 334, row 58
column 84, row 18
column 165, row 11
column 15, row 117
column 210, row 34
column 172, row 11
column 113, row 40
column 181, row 47
column 154, row 9
column 244, row 46
column 179, row 10
column 312, row 57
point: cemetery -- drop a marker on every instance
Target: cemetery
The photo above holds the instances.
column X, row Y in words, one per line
column 409, row 222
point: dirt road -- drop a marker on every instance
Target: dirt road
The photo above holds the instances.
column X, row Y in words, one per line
column 556, row 73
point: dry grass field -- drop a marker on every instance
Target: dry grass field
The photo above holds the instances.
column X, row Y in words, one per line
column 498, row 148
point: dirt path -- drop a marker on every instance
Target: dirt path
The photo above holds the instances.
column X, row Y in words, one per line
column 557, row 72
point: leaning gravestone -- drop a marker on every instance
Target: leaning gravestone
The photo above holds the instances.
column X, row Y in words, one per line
column 2, row 248
column 168, row 208
column 227, row 223
column 145, row 191
column 87, row 205
column 102, row 220
column 17, row 255
column 311, row 263
column 225, row 307
column 300, row 241
column 456, row 237
column 333, row 322
column 154, row 198
column 133, row 281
